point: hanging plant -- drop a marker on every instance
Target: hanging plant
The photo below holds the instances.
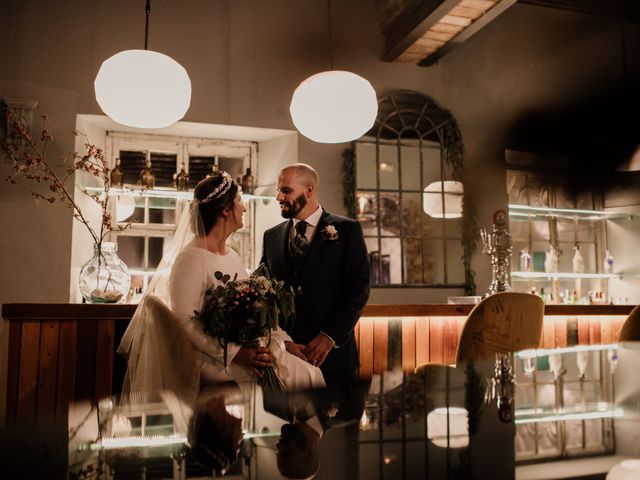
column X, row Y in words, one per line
column 349, row 181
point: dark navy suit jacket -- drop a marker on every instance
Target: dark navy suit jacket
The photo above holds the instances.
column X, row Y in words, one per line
column 332, row 284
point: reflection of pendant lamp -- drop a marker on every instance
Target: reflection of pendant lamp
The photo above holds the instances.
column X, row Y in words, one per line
column 143, row 88
column 452, row 422
column 333, row 106
column 625, row 470
column 443, row 199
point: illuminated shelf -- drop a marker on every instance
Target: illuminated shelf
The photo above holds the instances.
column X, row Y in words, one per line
column 561, row 275
column 162, row 193
column 541, row 352
column 586, row 411
column 525, row 212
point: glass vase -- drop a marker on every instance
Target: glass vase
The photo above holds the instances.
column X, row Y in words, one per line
column 104, row 278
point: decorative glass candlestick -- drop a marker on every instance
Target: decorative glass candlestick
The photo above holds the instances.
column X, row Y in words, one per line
column 497, row 244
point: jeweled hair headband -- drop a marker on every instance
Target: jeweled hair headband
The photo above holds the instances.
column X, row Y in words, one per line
column 220, row 190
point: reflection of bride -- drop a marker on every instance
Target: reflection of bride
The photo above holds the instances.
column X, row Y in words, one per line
column 197, row 251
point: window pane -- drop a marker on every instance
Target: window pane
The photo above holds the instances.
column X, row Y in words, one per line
column 410, row 162
column 368, row 212
column 431, row 165
column 156, row 249
column 131, row 250
column 389, row 214
column 365, row 166
column 433, row 261
column 234, row 166
column 163, row 166
column 162, row 210
column 413, row 261
column 390, row 261
column 199, row 167
column 388, row 167
column 131, row 163
column 455, row 266
column 411, row 214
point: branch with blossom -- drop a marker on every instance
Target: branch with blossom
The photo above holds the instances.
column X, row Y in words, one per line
column 28, row 158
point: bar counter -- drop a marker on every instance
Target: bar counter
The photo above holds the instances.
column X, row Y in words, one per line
column 55, row 353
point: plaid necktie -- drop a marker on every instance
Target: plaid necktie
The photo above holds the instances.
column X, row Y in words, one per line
column 299, row 243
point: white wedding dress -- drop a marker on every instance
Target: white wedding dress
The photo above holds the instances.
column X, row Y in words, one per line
column 192, row 273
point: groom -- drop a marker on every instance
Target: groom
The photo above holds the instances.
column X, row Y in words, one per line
column 324, row 258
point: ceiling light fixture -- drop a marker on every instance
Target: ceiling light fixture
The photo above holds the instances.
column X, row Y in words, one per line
column 143, row 88
column 334, row 106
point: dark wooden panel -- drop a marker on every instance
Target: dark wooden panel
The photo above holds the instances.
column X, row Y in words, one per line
column 73, row 311
column 409, row 344
column 48, row 370
column 28, row 371
column 104, row 358
column 86, row 365
column 380, row 345
column 66, row 366
column 13, row 370
column 366, row 348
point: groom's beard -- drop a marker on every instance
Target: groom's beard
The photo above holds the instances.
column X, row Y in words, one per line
column 292, row 209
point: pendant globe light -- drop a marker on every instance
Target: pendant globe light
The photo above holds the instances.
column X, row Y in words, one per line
column 334, row 106
column 443, row 199
column 143, row 88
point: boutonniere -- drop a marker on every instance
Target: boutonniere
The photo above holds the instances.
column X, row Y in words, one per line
column 330, row 233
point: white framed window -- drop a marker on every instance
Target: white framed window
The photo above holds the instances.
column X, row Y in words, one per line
column 152, row 215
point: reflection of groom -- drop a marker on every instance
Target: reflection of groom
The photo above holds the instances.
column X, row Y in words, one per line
column 324, row 258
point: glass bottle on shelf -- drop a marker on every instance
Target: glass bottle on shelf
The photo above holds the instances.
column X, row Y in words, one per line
column 116, row 175
column 247, row 182
column 525, row 260
column 214, row 169
column 608, row 262
column 578, row 260
column 147, row 178
column 182, row 180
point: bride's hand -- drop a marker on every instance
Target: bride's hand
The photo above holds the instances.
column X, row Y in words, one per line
column 253, row 358
column 295, row 349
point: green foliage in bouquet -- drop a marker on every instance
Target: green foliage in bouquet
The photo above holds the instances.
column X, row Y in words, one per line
column 245, row 312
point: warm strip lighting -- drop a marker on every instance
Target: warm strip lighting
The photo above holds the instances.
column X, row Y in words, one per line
column 615, row 413
column 542, row 352
column 563, row 275
column 138, row 441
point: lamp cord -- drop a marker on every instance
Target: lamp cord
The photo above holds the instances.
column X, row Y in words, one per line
column 146, row 25
column 330, row 35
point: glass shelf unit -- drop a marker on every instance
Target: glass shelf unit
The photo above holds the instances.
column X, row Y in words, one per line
column 162, row 193
column 586, row 411
column 518, row 212
column 517, row 275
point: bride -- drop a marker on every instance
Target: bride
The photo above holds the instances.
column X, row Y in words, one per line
column 197, row 251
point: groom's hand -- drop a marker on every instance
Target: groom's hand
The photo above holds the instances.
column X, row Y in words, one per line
column 296, row 349
column 318, row 349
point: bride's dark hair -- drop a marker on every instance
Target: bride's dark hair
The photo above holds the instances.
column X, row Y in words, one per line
column 213, row 195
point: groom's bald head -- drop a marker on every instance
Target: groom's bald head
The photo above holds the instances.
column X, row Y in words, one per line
column 303, row 173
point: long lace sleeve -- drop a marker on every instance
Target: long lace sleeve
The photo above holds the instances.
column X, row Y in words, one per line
column 187, row 285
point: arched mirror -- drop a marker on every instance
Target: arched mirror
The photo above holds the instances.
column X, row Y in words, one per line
column 406, row 191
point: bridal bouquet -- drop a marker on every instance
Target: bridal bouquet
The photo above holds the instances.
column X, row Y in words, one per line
column 245, row 312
